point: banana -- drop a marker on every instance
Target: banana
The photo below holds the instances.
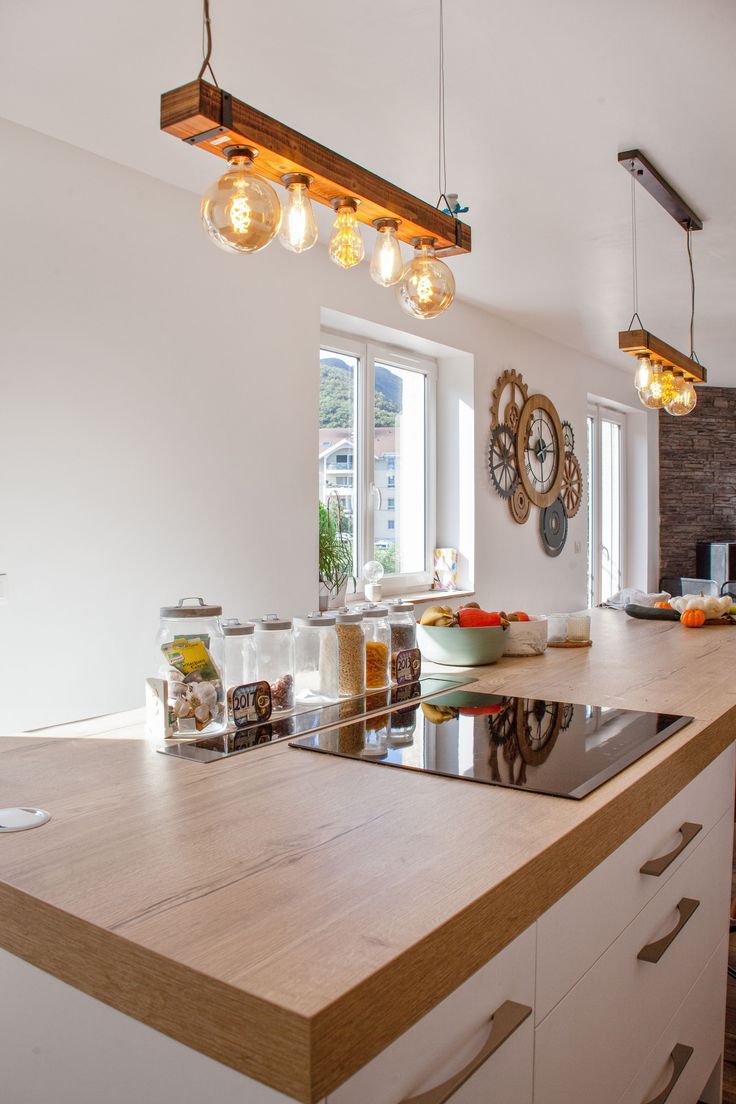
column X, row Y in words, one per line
column 436, row 615
column 438, row 714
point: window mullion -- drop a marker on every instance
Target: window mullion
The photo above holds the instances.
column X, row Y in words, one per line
column 367, row 452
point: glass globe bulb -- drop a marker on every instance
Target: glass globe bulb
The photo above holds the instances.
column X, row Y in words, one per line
column 241, row 211
column 373, row 571
column 427, row 286
column 670, row 385
column 387, row 265
column 643, row 375
column 684, row 401
column 299, row 226
column 346, row 244
column 653, row 396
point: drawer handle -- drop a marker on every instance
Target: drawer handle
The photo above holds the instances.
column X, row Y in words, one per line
column 655, row 867
column 504, row 1022
column 654, row 951
column 680, row 1057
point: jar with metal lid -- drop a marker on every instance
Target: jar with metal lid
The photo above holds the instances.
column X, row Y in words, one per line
column 375, row 740
column 275, row 659
column 377, row 646
column 240, row 653
column 402, row 726
column 315, row 658
column 350, row 654
column 190, row 656
column 403, row 624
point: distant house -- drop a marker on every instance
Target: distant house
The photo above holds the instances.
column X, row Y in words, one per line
column 337, row 476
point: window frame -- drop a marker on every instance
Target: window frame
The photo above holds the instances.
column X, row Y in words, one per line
column 600, row 412
column 368, row 354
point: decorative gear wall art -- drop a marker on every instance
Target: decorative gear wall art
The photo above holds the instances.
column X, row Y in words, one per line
column 531, row 459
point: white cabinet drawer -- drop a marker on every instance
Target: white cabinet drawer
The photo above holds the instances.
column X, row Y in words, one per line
column 581, row 925
column 452, row 1035
column 588, row 1045
column 684, row 1055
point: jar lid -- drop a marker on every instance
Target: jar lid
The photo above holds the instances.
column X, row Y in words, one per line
column 200, row 610
column 321, row 620
column 272, row 621
column 233, row 627
column 399, row 605
column 374, row 611
column 349, row 618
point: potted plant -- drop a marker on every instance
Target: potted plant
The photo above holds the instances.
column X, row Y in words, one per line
column 335, row 556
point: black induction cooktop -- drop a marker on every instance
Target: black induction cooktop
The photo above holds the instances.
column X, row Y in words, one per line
column 547, row 747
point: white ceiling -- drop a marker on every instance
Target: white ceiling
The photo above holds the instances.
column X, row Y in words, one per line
column 541, row 95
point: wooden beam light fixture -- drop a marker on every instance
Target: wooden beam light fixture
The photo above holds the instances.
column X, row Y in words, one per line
column 665, row 377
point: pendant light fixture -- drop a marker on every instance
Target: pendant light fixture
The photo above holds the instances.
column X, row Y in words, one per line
column 665, row 378
column 242, row 212
column 427, row 287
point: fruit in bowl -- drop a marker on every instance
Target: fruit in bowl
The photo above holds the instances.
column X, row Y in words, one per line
column 469, row 638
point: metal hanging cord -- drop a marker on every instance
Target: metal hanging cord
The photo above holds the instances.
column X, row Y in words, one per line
column 689, row 233
column 441, row 129
column 634, row 255
column 207, row 44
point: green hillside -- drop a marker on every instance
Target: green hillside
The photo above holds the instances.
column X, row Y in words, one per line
column 336, row 395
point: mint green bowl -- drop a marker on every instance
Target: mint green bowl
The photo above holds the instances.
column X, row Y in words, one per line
column 458, row 647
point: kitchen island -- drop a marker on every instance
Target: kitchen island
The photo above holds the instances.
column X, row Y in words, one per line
column 291, row 915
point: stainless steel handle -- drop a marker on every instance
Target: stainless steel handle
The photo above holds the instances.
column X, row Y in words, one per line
column 655, row 867
column 504, row 1022
column 679, row 1057
column 654, row 951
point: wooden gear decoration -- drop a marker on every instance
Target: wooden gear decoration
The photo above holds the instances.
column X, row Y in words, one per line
column 531, row 459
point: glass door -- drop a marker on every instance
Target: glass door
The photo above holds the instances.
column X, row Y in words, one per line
column 606, row 441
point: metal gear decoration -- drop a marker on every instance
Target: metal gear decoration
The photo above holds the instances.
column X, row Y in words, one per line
column 568, row 437
column 553, row 527
column 519, row 394
column 519, row 505
column 537, row 728
column 571, row 488
column 568, row 713
column 502, row 460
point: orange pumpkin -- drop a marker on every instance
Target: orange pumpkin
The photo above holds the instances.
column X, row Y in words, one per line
column 662, row 605
column 692, row 619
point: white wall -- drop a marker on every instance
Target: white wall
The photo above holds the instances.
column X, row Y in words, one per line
column 159, row 426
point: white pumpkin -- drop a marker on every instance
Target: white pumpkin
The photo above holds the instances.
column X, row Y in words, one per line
column 712, row 607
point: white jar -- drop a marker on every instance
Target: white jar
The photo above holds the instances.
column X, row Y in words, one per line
column 190, row 656
column 240, row 653
column 315, row 659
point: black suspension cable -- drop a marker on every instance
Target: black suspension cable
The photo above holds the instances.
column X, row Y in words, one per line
column 693, row 354
column 634, row 255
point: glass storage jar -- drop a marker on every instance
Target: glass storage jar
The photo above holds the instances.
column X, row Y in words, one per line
column 377, row 646
column 315, row 658
column 240, row 653
column 402, row 619
column 275, row 659
column 402, row 727
column 350, row 654
column 190, row 656
column 375, row 740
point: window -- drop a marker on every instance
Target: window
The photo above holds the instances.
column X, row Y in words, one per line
column 377, row 423
column 606, row 441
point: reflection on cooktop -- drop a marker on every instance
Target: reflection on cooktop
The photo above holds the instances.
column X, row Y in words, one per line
column 550, row 747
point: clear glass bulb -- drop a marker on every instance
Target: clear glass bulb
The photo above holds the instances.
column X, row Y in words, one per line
column 299, row 226
column 346, row 244
column 387, row 265
column 653, row 396
column 684, row 401
column 643, row 376
column 427, row 286
column 241, row 211
column 373, row 571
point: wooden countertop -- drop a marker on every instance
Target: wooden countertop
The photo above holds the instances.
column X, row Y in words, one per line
column 291, row 914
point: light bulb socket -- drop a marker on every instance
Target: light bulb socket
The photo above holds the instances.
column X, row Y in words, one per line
column 345, row 201
column 296, row 178
column 387, row 223
column 425, row 240
column 240, row 151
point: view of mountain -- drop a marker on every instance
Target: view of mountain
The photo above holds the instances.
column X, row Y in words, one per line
column 335, row 396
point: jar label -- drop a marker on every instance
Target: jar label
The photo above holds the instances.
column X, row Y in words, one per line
column 407, row 666
column 249, row 704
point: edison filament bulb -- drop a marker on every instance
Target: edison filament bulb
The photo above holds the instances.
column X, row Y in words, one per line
column 346, row 244
column 684, row 401
column 298, row 226
column 427, row 286
column 241, row 211
column 643, row 375
column 660, row 390
column 387, row 265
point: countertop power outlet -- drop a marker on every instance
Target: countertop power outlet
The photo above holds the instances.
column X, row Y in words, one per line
column 3, row 589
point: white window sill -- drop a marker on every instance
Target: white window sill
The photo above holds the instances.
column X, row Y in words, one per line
column 419, row 597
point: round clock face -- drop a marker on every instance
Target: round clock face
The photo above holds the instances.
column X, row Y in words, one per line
column 540, row 450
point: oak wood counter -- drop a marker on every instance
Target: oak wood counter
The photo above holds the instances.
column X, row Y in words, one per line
column 291, row 914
